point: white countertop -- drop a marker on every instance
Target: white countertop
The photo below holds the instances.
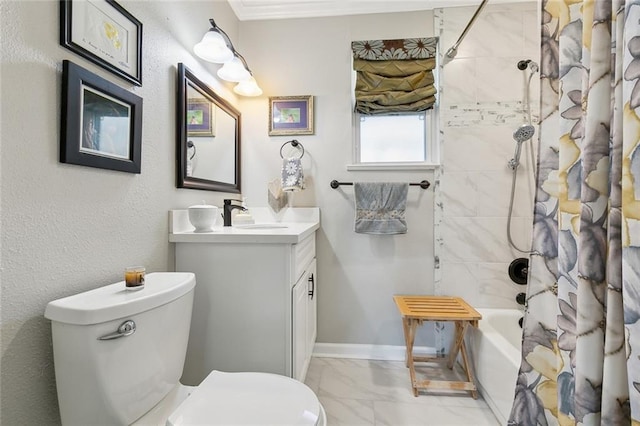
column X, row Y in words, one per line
column 300, row 222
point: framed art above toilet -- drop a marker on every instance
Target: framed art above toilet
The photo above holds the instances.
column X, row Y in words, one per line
column 101, row 122
column 103, row 32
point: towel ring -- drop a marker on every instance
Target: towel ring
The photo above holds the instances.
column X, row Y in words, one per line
column 190, row 144
column 294, row 143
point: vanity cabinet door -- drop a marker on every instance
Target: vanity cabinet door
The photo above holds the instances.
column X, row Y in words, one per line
column 304, row 297
column 312, row 304
column 299, row 296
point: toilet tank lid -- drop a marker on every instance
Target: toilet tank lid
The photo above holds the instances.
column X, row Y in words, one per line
column 115, row 301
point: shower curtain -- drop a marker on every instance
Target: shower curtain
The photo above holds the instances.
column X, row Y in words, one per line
column 581, row 341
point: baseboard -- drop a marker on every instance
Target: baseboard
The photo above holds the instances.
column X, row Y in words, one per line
column 374, row 352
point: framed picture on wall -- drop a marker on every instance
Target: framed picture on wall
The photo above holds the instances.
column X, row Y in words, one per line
column 291, row 115
column 200, row 117
column 101, row 122
column 103, row 32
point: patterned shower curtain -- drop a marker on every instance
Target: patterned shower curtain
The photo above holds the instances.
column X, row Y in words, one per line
column 581, row 342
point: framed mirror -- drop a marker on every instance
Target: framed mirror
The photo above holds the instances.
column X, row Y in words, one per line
column 208, row 137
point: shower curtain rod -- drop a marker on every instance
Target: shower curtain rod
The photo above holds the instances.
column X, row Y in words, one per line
column 453, row 51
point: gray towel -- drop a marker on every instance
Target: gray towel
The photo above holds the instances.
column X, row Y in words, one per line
column 380, row 208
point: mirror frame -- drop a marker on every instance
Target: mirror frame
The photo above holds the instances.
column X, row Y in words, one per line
column 186, row 76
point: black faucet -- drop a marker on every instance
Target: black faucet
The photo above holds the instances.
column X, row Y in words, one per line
column 227, row 209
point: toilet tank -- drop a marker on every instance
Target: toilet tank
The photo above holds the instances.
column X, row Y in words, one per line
column 116, row 381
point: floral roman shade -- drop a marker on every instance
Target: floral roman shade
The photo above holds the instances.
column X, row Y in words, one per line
column 394, row 76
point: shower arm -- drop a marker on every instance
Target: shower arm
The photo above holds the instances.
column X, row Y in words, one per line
column 451, row 53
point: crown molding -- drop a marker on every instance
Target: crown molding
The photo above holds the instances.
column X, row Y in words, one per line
column 251, row 10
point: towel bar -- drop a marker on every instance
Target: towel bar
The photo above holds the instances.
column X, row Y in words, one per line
column 422, row 184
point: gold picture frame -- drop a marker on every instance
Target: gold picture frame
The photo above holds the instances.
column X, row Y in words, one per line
column 291, row 115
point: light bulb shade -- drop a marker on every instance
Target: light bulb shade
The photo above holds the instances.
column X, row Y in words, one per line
column 234, row 70
column 213, row 48
column 248, row 88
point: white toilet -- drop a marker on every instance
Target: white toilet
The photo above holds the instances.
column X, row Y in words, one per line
column 119, row 356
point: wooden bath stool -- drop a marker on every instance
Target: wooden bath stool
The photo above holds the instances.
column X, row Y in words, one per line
column 415, row 310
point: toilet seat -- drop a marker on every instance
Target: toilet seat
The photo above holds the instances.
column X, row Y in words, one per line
column 249, row 399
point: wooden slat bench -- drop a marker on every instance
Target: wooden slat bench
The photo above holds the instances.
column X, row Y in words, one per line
column 415, row 310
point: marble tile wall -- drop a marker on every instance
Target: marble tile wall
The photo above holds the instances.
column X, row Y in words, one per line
column 482, row 103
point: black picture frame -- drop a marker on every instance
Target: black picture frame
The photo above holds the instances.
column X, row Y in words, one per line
column 101, row 123
column 114, row 42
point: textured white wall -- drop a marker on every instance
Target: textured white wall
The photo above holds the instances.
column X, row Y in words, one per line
column 68, row 228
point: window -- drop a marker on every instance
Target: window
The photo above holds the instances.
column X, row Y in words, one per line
column 395, row 138
column 395, row 101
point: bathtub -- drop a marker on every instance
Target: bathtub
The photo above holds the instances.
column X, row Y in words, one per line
column 495, row 348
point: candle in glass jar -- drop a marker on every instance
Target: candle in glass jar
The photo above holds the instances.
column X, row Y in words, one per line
column 134, row 277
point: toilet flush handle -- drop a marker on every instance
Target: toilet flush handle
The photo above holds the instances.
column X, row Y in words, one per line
column 127, row 328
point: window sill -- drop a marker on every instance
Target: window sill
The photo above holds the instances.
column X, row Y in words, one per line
column 391, row 166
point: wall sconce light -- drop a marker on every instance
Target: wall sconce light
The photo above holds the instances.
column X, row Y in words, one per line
column 213, row 48
column 248, row 88
column 234, row 70
column 216, row 47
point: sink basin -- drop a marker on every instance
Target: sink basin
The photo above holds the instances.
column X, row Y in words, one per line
column 261, row 226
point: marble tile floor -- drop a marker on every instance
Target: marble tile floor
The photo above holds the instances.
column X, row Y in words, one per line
column 357, row 392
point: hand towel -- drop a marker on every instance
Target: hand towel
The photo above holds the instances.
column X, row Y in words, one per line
column 292, row 176
column 380, row 208
column 276, row 198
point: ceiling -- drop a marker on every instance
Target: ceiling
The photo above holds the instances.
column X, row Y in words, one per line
column 247, row 10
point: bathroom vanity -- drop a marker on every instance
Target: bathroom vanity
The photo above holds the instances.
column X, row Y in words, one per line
column 256, row 293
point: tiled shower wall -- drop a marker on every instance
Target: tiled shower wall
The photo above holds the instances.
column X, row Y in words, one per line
column 481, row 105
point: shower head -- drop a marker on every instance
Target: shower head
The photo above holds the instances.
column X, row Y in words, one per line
column 524, row 133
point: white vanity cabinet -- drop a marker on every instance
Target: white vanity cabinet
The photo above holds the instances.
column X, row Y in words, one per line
column 255, row 302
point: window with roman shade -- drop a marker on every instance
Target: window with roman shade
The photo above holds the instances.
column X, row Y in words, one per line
column 394, row 76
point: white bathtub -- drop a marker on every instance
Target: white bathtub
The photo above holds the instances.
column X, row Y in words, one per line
column 496, row 353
